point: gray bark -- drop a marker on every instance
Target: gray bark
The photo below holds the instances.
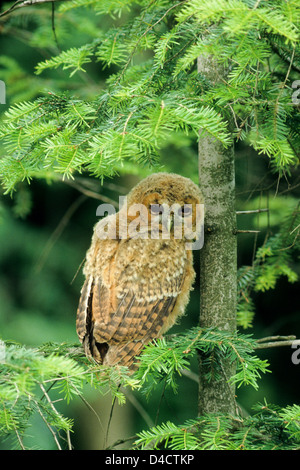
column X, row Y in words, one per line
column 218, row 257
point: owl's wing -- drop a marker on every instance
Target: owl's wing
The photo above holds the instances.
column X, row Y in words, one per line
column 141, row 319
column 116, row 321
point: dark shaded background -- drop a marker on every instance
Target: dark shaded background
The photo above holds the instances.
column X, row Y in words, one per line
column 45, row 231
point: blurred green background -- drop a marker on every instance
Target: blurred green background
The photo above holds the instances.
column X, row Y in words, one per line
column 45, row 230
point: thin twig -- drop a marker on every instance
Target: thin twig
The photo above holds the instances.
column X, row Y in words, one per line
column 48, row 399
column 110, row 419
column 55, row 412
column 27, row 3
column 53, row 25
column 277, row 341
column 276, row 344
column 11, row 8
column 137, row 405
column 58, row 231
column 78, row 270
column 190, row 375
column 90, row 408
column 247, row 231
column 119, row 442
column 255, row 211
column 48, row 425
column 160, row 401
column 19, row 439
column 275, row 338
column 92, row 194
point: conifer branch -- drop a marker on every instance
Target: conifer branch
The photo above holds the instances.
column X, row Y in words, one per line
column 143, row 107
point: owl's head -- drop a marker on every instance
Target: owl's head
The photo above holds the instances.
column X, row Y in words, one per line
column 168, row 188
column 160, row 193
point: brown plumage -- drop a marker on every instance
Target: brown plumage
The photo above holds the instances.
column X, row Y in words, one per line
column 135, row 288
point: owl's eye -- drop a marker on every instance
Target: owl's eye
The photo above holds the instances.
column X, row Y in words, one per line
column 184, row 211
column 156, row 209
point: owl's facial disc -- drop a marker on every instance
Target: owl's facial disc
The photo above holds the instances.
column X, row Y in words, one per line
column 170, row 217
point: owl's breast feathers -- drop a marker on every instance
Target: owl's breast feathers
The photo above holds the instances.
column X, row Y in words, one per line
column 134, row 291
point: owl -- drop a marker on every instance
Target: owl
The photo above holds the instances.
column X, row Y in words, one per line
column 139, row 271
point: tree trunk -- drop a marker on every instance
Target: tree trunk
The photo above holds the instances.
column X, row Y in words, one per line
column 218, row 258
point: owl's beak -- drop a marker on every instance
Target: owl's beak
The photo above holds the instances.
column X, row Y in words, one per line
column 167, row 222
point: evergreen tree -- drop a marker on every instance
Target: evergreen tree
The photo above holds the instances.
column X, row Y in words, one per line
column 153, row 96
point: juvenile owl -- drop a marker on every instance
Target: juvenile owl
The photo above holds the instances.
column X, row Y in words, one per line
column 139, row 270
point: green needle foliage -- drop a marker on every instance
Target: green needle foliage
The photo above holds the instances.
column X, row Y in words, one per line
column 273, row 260
column 29, row 377
column 153, row 93
column 167, row 358
column 157, row 91
column 269, row 428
